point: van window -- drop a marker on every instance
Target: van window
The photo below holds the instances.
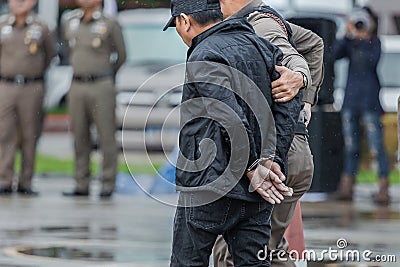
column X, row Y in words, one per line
column 148, row 43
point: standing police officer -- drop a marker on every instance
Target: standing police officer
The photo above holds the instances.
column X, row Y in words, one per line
column 26, row 50
column 92, row 38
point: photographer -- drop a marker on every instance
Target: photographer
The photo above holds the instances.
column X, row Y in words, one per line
column 359, row 25
column 361, row 103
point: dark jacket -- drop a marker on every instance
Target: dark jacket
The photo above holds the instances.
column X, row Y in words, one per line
column 362, row 89
column 220, row 135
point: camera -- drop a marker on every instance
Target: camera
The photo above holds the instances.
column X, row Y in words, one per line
column 360, row 25
column 361, row 20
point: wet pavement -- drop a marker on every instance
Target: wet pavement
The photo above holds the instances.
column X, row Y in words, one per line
column 361, row 226
column 123, row 231
column 136, row 230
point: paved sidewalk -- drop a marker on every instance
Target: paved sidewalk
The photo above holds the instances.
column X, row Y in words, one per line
column 123, row 231
column 360, row 226
column 136, row 230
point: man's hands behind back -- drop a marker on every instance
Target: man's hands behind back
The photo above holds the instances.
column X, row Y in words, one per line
column 267, row 180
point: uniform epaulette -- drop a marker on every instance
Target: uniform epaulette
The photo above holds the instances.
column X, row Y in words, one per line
column 76, row 13
column 4, row 18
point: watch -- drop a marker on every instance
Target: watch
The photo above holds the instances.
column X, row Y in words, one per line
column 305, row 81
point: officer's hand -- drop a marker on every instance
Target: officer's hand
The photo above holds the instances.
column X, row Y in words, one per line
column 307, row 109
column 287, row 86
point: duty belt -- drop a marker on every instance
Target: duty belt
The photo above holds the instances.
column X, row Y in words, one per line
column 91, row 77
column 20, row 79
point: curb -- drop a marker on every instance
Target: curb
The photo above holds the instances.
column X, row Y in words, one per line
column 56, row 123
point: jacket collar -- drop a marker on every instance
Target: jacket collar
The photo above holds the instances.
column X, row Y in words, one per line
column 95, row 16
column 247, row 8
column 229, row 25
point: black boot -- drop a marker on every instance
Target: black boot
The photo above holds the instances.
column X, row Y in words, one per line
column 6, row 190
column 27, row 191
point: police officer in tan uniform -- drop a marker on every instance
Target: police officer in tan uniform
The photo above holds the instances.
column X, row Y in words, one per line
column 92, row 38
column 26, row 50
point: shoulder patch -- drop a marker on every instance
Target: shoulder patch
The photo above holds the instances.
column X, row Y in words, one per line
column 68, row 15
column 4, row 18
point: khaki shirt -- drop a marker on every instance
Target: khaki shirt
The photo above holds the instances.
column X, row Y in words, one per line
column 92, row 42
column 311, row 47
column 306, row 58
column 26, row 50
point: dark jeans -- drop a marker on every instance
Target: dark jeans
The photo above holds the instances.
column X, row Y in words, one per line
column 246, row 227
column 351, row 133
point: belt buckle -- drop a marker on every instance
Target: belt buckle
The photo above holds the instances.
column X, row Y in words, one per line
column 19, row 79
column 87, row 78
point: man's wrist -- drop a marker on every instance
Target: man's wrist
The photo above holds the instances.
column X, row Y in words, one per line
column 307, row 104
column 304, row 80
column 255, row 164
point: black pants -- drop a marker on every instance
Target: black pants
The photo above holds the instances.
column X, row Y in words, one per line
column 246, row 227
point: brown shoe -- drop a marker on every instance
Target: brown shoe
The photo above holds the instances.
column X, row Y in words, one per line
column 382, row 197
column 346, row 187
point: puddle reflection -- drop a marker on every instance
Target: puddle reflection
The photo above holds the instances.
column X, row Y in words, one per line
column 75, row 232
column 86, row 254
column 91, row 253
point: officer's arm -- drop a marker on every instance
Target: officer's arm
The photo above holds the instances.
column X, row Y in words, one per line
column 285, row 115
column 272, row 31
column 64, row 51
column 311, row 47
column 119, row 45
column 49, row 46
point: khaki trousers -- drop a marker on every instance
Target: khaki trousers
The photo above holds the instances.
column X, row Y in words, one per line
column 20, row 119
column 300, row 173
column 93, row 103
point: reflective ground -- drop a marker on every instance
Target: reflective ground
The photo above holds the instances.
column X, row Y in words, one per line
column 136, row 230
column 368, row 230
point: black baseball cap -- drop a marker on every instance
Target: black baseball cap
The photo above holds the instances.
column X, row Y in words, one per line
column 190, row 7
